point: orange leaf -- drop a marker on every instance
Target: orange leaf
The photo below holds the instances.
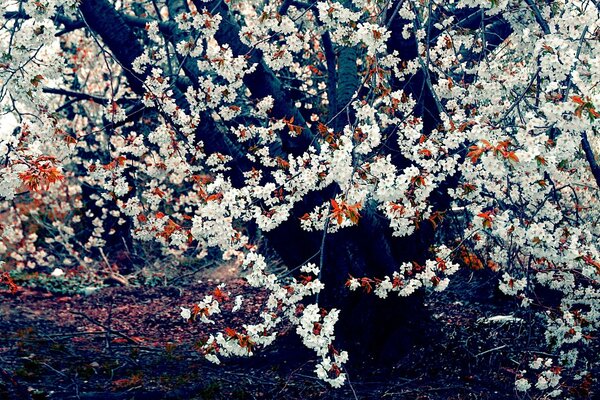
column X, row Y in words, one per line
column 215, row 197
column 220, row 295
column 425, row 152
column 512, row 156
column 230, row 332
column 487, row 219
column 472, row 261
column 475, row 153
column 305, row 217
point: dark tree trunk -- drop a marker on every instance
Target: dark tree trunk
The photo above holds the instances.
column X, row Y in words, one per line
column 372, row 329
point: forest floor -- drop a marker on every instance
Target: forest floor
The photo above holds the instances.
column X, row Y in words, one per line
column 129, row 342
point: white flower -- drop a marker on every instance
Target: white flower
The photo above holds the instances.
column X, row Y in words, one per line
column 57, row 272
column 264, row 106
column 353, row 284
column 310, row 268
column 442, row 285
column 212, row 358
column 238, row 304
column 537, row 363
column 186, row 313
column 522, row 385
column 542, row 383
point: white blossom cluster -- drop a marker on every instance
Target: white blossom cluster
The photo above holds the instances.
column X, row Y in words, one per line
column 313, row 324
column 409, row 278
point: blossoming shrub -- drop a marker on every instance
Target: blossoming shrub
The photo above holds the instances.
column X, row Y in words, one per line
column 191, row 124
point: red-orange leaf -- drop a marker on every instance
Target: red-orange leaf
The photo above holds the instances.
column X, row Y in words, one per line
column 487, row 219
column 474, row 153
column 41, row 174
column 578, row 100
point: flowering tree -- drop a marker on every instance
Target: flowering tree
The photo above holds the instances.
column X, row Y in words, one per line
column 378, row 145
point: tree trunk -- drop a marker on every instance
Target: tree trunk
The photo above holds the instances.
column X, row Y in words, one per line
column 372, row 329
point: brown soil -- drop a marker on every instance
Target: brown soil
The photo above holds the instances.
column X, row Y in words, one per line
column 131, row 343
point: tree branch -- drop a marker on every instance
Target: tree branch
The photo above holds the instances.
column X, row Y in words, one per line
column 538, row 16
column 347, row 83
column 110, row 25
column 262, row 82
column 76, row 95
column 591, row 158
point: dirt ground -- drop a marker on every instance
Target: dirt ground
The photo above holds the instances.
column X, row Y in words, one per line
column 130, row 343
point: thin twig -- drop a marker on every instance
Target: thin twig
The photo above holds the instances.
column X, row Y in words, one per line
column 350, row 384
column 322, row 250
column 490, row 350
